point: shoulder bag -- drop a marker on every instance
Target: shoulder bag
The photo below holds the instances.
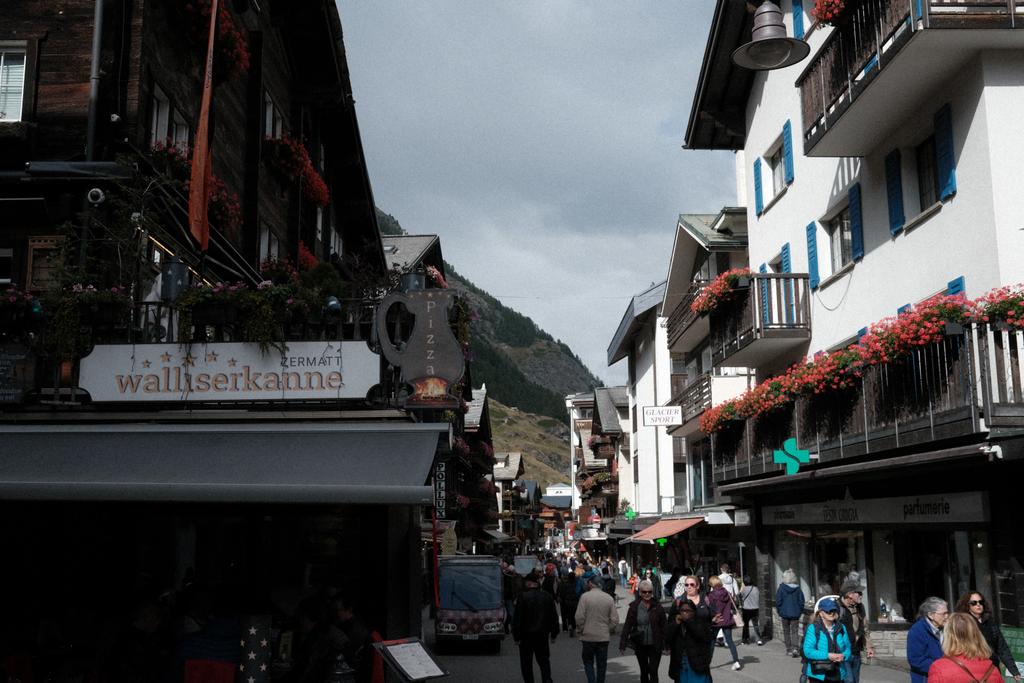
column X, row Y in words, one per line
column 972, row 678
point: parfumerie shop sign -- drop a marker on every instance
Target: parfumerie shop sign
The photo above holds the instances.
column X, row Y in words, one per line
column 318, row 370
column 947, row 508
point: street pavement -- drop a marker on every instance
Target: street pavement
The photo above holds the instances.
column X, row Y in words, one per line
column 765, row 663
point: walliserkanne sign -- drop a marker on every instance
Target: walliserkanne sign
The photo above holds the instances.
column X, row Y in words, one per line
column 320, row 370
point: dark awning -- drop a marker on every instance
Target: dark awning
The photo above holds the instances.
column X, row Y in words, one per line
column 271, row 463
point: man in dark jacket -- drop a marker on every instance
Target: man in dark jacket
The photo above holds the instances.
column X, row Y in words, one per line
column 851, row 615
column 535, row 619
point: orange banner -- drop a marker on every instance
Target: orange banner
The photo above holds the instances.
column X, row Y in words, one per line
column 199, row 189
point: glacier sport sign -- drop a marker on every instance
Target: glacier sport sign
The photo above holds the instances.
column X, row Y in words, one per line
column 661, row 416
column 317, row 370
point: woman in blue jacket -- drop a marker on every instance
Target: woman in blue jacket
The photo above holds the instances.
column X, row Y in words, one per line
column 924, row 642
column 789, row 601
column 826, row 640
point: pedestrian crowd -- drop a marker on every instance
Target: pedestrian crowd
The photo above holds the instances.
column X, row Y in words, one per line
column 962, row 645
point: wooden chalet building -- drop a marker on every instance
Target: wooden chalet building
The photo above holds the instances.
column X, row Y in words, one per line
column 146, row 450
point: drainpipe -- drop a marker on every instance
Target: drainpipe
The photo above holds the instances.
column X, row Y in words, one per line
column 94, row 82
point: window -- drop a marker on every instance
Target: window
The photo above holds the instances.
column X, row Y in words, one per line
column 778, row 166
column 269, row 243
column 159, row 116
column 180, row 131
column 927, row 173
column 274, row 124
column 41, row 254
column 6, row 265
column 841, row 239
column 12, row 81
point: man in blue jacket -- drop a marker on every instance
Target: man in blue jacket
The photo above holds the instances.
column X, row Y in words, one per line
column 924, row 640
column 789, row 601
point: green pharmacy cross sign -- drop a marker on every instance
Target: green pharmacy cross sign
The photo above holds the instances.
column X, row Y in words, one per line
column 630, row 514
column 792, row 457
column 662, row 542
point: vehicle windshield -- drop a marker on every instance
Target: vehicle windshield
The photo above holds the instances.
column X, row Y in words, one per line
column 472, row 588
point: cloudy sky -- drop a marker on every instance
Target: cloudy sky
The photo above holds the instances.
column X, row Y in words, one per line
column 542, row 141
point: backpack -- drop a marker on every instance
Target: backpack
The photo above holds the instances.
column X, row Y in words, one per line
column 968, row 671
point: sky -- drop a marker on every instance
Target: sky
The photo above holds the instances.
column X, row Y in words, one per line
column 542, row 141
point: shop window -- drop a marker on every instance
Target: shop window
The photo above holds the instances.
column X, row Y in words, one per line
column 838, row 556
column 793, row 551
column 12, row 80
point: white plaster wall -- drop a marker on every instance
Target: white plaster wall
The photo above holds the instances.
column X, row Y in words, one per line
column 652, row 445
column 977, row 234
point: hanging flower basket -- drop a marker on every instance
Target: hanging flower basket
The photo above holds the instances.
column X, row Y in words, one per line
column 720, row 290
column 831, row 12
column 231, row 52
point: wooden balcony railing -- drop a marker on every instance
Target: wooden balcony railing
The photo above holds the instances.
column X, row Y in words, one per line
column 683, row 316
column 774, row 306
column 936, row 395
column 695, row 398
column 873, row 34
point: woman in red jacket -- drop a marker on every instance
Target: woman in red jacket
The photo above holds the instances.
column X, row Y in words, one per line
column 966, row 655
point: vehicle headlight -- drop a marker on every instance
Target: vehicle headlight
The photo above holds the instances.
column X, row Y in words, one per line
column 496, row 626
column 447, row 627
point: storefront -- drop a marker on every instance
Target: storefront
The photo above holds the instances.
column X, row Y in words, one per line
column 901, row 549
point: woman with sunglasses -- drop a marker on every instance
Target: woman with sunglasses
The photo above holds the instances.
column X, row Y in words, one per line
column 975, row 604
column 826, row 644
column 644, row 631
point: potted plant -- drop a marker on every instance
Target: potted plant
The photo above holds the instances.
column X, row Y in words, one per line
column 227, row 303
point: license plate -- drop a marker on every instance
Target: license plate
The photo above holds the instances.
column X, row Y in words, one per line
column 471, row 637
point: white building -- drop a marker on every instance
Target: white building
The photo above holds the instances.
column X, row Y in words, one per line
column 879, row 172
column 649, row 470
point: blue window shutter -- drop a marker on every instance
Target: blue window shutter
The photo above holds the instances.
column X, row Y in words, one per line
column 894, row 190
column 787, row 150
column 787, row 264
column 812, row 254
column 856, row 225
column 944, row 154
column 905, row 308
column 764, row 293
column 860, row 333
column 956, row 286
column 798, row 19
column 758, row 202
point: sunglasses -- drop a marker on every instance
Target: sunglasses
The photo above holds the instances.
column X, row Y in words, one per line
column 647, row 592
column 977, row 602
column 689, row 584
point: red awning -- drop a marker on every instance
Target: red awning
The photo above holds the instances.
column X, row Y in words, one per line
column 662, row 529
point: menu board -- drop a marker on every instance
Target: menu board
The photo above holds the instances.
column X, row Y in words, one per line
column 410, row 659
column 17, row 372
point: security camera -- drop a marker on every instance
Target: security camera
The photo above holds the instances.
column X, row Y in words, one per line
column 114, row 118
column 136, row 218
column 96, row 196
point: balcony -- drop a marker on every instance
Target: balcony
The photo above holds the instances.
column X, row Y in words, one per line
column 934, row 398
column 704, row 392
column 148, row 333
column 685, row 328
column 765, row 321
column 856, row 91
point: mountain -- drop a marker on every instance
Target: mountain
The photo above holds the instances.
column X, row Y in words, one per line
column 543, row 441
column 521, row 364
